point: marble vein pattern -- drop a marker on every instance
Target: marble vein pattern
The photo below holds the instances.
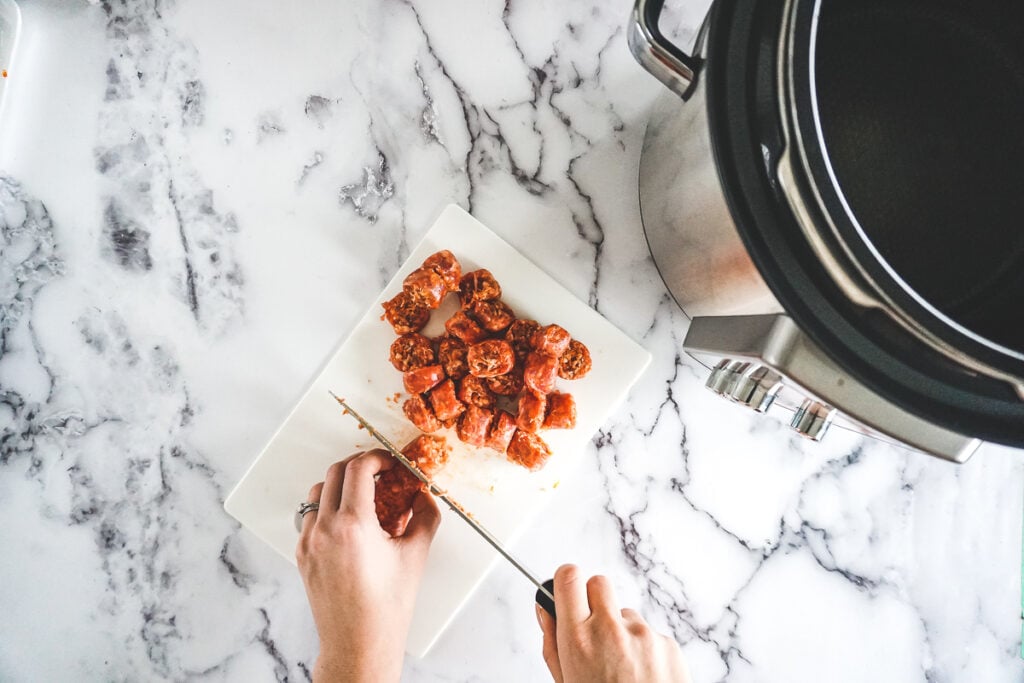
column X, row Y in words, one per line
column 197, row 202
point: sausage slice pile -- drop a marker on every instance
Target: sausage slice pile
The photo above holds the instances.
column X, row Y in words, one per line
column 491, row 376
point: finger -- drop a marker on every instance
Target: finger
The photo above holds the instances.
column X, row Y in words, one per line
column 550, row 647
column 309, row 519
column 631, row 616
column 570, row 596
column 601, row 596
column 357, row 490
column 331, row 496
column 426, row 517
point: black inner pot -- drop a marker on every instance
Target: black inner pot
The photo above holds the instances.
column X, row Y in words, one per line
column 745, row 119
column 921, row 107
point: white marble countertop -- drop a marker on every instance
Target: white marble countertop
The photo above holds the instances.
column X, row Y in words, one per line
column 199, row 199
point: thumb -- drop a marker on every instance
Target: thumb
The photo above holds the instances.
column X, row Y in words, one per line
column 550, row 649
column 423, row 525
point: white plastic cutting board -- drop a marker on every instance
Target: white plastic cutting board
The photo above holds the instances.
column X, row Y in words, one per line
column 502, row 496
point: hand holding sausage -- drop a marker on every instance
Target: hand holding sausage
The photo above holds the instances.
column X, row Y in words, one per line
column 352, row 568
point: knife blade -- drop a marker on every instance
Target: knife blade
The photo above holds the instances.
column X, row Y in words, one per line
column 542, row 587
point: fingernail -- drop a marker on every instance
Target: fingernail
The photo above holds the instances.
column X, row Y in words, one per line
column 540, row 619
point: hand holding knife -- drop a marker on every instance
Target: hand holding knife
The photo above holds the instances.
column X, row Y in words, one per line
column 545, row 590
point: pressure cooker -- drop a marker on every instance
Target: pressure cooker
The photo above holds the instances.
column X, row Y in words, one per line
column 833, row 192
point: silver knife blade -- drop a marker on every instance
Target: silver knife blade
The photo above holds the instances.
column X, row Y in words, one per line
column 452, row 504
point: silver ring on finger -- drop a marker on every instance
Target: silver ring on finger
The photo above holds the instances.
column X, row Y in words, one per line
column 302, row 511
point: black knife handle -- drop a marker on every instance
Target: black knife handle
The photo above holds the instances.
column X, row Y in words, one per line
column 546, row 603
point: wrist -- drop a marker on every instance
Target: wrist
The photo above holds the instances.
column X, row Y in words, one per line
column 358, row 664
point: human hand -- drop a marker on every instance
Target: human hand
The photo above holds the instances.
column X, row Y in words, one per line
column 593, row 640
column 360, row 581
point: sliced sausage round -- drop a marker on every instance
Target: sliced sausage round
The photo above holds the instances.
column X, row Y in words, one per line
column 396, row 489
column 465, row 328
column 490, row 358
column 501, row 431
column 411, row 351
column 430, row 453
column 520, row 336
column 393, row 495
column 474, row 391
column 425, row 287
column 478, row 285
column 531, row 411
column 404, row 314
column 539, row 372
column 422, row 380
column 493, row 315
column 473, row 425
column 528, row 449
column 447, row 266
column 509, row 384
column 445, row 403
column 561, row 411
column 575, row 362
column 551, row 340
column 420, row 414
column 451, row 353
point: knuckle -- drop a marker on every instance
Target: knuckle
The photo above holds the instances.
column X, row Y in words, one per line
column 335, row 470
column 579, row 640
column 607, row 621
column 346, row 526
column 358, row 465
column 567, row 573
column 640, row 629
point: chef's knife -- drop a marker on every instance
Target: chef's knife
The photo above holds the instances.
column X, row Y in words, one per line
column 545, row 590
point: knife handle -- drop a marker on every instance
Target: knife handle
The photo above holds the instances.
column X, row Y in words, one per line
column 546, row 603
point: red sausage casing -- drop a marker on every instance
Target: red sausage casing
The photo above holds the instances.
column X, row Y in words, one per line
column 532, row 407
column 396, row 489
column 473, row 425
column 465, row 328
column 528, row 449
column 561, row 411
column 393, row 496
column 422, row 380
column 551, row 340
column 430, row 453
column 425, row 287
column 501, row 431
column 539, row 372
column 445, row 403
column 420, row 414
column 447, row 266
column 492, row 314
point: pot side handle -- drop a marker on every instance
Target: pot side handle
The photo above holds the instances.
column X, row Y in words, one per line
column 657, row 54
column 776, row 343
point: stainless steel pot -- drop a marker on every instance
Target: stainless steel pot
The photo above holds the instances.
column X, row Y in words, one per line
column 806, row 227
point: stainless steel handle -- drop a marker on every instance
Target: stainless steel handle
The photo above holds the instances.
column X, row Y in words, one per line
column 661, row 58
column 775, row 341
